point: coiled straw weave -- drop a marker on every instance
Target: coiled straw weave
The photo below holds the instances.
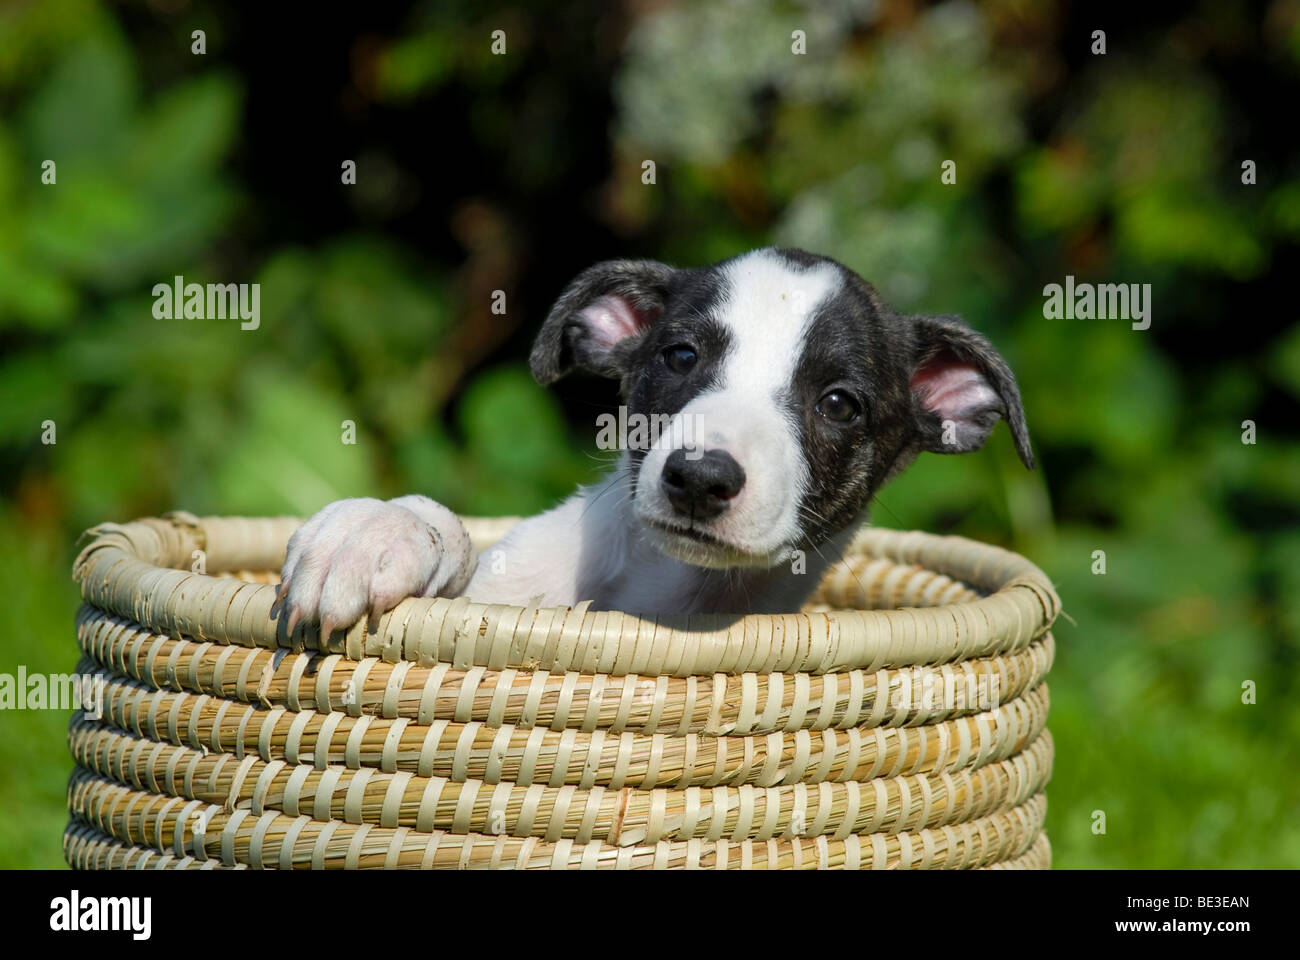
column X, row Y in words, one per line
column 897, row 721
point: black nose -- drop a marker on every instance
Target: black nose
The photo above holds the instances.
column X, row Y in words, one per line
column 701, row 488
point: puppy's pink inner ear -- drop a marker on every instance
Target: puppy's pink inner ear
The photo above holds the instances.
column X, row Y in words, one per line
column 612, row 319
column 953, row 389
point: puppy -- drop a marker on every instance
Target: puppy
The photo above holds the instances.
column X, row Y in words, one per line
column 791, row 392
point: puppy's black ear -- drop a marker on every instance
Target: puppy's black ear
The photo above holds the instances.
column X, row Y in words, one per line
column 608, row 305
column 960, row 387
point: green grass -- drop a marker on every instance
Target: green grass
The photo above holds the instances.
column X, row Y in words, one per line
column 35, row 630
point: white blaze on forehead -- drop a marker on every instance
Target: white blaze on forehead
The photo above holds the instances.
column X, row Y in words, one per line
column 768, row 307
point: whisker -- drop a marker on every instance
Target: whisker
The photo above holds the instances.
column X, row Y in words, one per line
column 862, row 586
column 614, row 484
column 898, row 520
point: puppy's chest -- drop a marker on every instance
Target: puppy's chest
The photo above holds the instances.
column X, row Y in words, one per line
column 662, row 585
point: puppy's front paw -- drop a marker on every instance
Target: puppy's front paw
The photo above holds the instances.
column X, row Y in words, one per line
column 359, row 556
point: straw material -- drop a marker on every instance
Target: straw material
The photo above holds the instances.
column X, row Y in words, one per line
column 898, row 720
column 88, row 849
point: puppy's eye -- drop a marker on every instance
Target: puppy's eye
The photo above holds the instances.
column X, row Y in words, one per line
column 680, row 359
column 838, row 406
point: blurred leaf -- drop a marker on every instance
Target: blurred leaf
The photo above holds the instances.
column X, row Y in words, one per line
column 84, row 109
column 288, row 454
column 415, row 64
column 1162, row 226
column 185, row 134
column 1286, row 360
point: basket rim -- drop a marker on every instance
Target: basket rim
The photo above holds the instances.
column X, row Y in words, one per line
column 132, row 570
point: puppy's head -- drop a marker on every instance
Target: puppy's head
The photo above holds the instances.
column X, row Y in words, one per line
column 794, row 393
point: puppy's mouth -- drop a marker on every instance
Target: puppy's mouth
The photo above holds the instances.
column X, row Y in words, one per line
column 693, row 545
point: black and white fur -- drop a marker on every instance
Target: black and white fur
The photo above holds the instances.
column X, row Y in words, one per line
column 807, row 393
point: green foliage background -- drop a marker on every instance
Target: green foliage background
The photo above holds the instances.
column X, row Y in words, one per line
column 1123, row 168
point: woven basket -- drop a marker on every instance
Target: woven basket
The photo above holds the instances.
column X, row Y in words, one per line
column 897, row 721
